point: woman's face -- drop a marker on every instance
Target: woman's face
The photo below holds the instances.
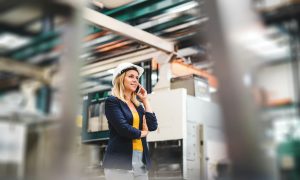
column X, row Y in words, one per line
column 131, row 80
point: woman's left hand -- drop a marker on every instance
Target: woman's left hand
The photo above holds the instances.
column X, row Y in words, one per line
column 142, row 94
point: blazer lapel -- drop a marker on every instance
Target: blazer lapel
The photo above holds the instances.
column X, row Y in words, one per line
column 126, row 111
column 140, row 110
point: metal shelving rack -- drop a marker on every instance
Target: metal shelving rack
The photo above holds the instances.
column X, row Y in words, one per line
column 286, row 17
column 47, row 57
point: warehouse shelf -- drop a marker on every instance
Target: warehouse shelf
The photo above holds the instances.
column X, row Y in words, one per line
column 33, row 100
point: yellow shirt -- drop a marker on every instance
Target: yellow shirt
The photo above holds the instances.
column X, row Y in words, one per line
column 136, row 143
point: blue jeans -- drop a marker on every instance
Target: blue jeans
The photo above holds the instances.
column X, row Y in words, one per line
column 138, row 172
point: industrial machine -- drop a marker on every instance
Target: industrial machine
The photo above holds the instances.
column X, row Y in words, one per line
column 189, row 141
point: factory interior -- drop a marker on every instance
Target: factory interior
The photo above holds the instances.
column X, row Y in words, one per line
column 222, row 77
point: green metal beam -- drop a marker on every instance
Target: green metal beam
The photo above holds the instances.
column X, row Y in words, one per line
column 158, row 7
column 174, row 22
column 122, row 9
column 37, row 49
column 34, row 42
column 140, row 9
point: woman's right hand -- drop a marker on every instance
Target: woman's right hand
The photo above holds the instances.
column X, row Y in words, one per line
column 145, row 130
column 145, row 127
column 142, row 94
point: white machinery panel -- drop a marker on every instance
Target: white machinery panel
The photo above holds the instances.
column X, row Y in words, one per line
column 12, row 142
column 170, row 109
column 207, row 115
column 197, row 123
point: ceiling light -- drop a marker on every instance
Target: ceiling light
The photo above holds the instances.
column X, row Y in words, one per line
column 113, row 4
column 10, row 41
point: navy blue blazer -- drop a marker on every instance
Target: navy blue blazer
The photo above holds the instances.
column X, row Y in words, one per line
column 119, row 150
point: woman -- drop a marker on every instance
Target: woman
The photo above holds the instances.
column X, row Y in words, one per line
column 127, row 155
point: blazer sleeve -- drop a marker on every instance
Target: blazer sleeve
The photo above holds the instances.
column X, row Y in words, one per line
column 151, row 121
column 117, row 119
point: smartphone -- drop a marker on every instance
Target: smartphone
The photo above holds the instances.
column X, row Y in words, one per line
column 138, row 89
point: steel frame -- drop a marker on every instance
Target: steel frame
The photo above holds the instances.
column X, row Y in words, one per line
column 128, row 31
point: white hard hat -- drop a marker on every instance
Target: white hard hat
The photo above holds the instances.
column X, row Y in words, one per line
column 123, row 67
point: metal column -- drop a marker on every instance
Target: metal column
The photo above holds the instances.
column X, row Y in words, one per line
column 229, row 20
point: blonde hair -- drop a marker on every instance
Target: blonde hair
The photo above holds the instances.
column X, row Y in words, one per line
column 118, row 90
